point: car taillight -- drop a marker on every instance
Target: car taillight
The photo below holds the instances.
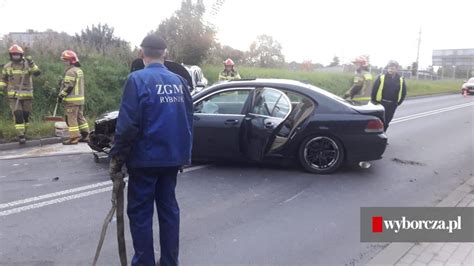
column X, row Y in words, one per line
column 374, row 125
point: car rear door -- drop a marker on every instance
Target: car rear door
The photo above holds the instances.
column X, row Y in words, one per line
column 269, row 108
column 217, row 120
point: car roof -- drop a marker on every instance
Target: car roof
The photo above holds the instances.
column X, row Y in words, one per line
column 299, row 86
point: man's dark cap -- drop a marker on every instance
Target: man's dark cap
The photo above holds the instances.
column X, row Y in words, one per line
column 153, row 42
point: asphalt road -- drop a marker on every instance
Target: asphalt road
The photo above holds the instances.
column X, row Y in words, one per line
column 52, row 207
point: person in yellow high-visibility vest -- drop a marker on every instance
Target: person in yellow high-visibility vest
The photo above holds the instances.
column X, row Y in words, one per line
column 16, row 81
column 72, row 94
column 389, row 90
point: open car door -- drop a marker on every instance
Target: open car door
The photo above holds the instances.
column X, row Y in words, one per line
column 269, row 108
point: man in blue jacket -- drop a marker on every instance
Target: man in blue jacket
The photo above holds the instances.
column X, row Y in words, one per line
column 153, row 137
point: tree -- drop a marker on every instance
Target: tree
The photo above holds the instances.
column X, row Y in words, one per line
column 188, row 39
column 218, row 53
column 265, row 52
column 100, row 37
column 335, row 62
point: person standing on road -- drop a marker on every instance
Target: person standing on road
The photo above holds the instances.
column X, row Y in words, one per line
column 72, row 94
column 229, row 73
column 17, row 79
column 153, row 137
column 362, row 81
column 389, row 90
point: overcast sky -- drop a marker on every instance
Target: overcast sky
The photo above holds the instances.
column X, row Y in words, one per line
column 307, row 30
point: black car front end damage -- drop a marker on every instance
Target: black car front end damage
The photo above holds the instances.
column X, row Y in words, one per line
column 102, row 137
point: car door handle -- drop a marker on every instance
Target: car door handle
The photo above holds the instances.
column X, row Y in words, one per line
column 269, row 124
column 196, row 118
column 231, row 122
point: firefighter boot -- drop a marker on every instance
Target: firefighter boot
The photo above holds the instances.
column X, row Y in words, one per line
column 84, row 137
column 22, row 140
column 71, row 141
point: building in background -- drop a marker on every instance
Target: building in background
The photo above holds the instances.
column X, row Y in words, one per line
column 454, row 63
column 26, row 38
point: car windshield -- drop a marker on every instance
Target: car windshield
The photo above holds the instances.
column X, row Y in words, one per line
column 471, row 80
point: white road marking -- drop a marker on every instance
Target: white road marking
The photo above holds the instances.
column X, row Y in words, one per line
column 54, row 201
column 428, row 113
column 53, row 195
column 100, row 188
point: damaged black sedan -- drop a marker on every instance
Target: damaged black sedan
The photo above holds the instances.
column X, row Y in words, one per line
column 271, row 120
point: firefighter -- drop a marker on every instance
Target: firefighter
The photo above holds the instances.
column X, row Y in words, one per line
column 229, row 73
column 17, row 79
column 389, row 90
column 153, row 137
column 72, row 95
column 362, row 81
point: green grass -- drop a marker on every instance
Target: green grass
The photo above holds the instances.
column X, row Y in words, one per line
column 337, row 83
column 37, row 129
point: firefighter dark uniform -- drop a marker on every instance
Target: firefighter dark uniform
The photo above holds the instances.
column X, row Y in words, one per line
column 17, row 80
column 72, row 95
column 154, row 138
column 229, row 73
column 390, row 91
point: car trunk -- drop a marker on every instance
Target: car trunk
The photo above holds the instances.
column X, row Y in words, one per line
column 371, row 109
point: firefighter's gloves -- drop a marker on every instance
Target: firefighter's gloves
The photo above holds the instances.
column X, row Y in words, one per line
column 115, row 167
column 30, row 61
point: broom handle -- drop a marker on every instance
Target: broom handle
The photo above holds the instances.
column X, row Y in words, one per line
column 55, row 109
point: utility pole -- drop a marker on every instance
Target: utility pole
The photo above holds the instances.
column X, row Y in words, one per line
column 418, row 54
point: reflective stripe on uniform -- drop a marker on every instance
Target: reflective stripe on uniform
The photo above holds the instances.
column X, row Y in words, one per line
column 19, row 72
column 73, row 129
column 34, row 68
column 368, row 76
column 19, row 126
column 84, row 126
column 23, row 94
column 378, row 98
column 361, row 99
column 68, row 78
column 401, row 89
column 73, row 99
column 2, row 84
column 80, row 74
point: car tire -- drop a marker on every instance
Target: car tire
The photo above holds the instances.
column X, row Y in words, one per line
column 321, row 154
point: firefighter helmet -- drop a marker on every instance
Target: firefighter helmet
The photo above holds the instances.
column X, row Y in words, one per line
column 70, row 56
column 229, row 62
column 362, row 60
column 16, row 49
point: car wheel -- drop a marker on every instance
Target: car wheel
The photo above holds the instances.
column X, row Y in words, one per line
column 321, row 154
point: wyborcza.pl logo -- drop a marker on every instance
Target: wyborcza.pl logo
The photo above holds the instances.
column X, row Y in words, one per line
column 417, row 224
column 379, row 224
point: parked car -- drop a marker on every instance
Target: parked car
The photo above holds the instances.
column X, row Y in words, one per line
column 271, row 119
column 468, row 87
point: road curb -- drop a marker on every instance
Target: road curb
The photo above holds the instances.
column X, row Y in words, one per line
column 395, row 251
column 30, row 143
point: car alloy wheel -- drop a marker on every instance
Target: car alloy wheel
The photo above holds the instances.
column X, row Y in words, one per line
column 321, row 154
